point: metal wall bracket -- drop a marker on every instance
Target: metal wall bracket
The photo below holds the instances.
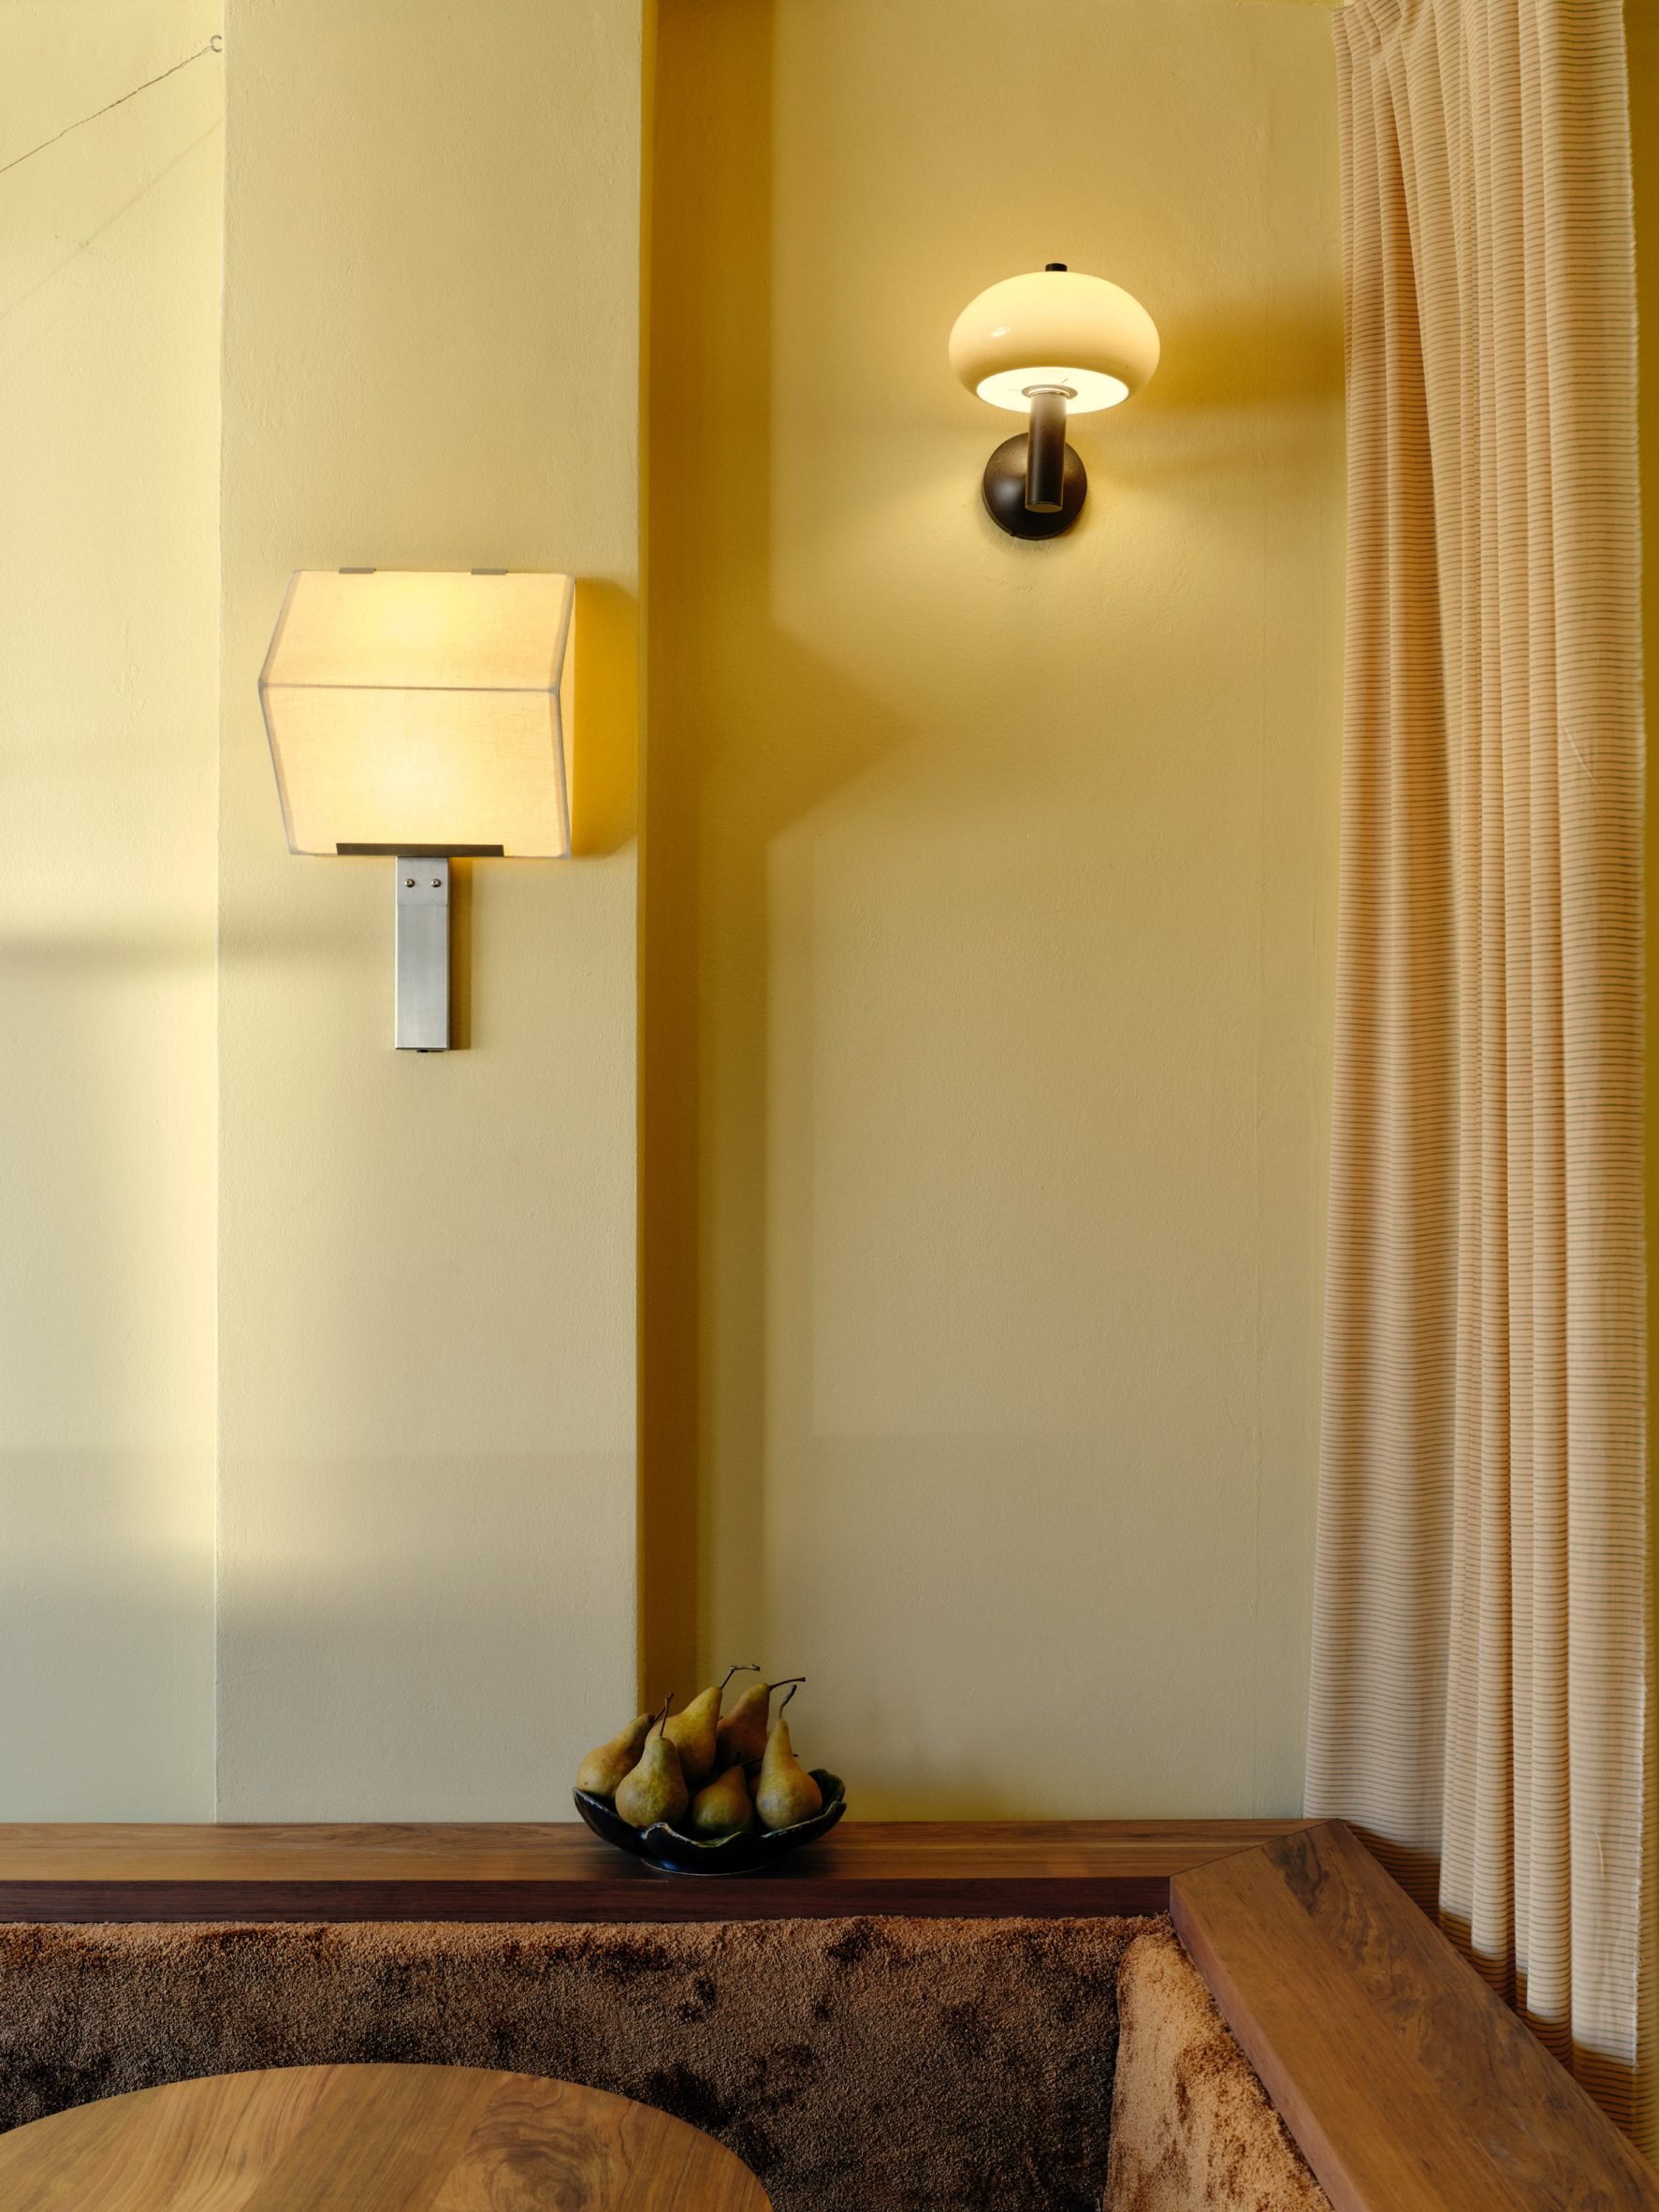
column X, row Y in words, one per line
column 1007, row 487
column 423, row 954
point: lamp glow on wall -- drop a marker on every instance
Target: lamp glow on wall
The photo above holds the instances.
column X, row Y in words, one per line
column 1050, row 343
column 424, row 716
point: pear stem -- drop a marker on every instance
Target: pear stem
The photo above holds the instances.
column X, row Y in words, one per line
column 656, row 1726
column 743, row 1667
column 793, row 1687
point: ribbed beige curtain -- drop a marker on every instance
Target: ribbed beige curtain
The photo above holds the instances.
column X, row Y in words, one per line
column 1481, row 1653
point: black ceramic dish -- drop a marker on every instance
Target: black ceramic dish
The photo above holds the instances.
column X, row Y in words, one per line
column 750, row 1853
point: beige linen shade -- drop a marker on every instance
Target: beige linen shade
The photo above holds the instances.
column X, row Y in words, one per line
column 413, row 711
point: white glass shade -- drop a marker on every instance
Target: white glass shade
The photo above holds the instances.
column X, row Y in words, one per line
column 1055, row 326
column 418, row 712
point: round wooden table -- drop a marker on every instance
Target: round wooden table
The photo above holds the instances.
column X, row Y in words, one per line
column 369, row 2139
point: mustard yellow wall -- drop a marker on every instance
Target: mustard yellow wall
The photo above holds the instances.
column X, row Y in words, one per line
column 109, row 445
column 990, row 894
column 426, row 1371
column 1641, row 28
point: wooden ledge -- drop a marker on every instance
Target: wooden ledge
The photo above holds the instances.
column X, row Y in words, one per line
column 974, row 1869
column 1409, row 2087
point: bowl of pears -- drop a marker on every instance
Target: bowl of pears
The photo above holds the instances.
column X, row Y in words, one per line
column 706, row 1792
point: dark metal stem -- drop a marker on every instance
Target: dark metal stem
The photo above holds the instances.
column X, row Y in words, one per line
column 1045, row 453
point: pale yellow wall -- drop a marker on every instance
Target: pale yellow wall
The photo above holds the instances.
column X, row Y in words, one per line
column 987, row 963
column 991, row 892
column 108, row 441
column 426, row 1504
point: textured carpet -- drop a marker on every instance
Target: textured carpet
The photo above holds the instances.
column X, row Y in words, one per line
column 1192, row 2129
column 922, row 2065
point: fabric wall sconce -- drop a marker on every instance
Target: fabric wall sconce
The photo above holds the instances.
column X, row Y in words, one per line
column 425, row 716
column 1044, row 343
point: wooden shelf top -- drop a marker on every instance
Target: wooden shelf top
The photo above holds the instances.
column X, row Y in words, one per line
column 1399, row 2073
column 518, row 1871
column 1397, row 2070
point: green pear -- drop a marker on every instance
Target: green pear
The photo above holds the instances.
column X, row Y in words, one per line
column 693, row 1732
column 655, row 1788
column 723, row 1808
column 603, row 1767
column 741, row 1739
column 786, row 1794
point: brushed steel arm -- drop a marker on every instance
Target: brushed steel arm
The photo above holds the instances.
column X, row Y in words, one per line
column 423, row 954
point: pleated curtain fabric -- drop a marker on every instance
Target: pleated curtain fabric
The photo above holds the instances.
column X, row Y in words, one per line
column 1482, row 1655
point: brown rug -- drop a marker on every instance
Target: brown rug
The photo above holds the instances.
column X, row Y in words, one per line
column 926, row 2065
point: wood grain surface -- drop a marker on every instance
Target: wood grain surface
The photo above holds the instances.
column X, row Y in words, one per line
column 972, row 1870
column 1409, row 2087
column 371, row 2139
column 1405, row 2081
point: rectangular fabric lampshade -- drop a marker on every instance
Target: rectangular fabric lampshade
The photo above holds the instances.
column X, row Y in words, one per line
column 411, row 712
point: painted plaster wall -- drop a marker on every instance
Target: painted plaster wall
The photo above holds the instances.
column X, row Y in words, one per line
column 426, row 1370
column 1641, row 31
column 108, row 583
column 987, row 919
column 988, row 974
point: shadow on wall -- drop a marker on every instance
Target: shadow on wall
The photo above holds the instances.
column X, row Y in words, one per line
column 605, row 769
column 605, row 775
column 1243, row 357
column 711, row 815
column 103, row 1631
column 353, row 1685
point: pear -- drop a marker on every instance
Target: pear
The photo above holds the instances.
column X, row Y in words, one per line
column 693, row 1732
column 655, row 1789
column 723, row 1808
column 741, row 1739
column 603, row 1767
column 786, row 1793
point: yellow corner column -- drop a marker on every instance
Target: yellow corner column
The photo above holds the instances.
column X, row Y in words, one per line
column 426, row 1371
